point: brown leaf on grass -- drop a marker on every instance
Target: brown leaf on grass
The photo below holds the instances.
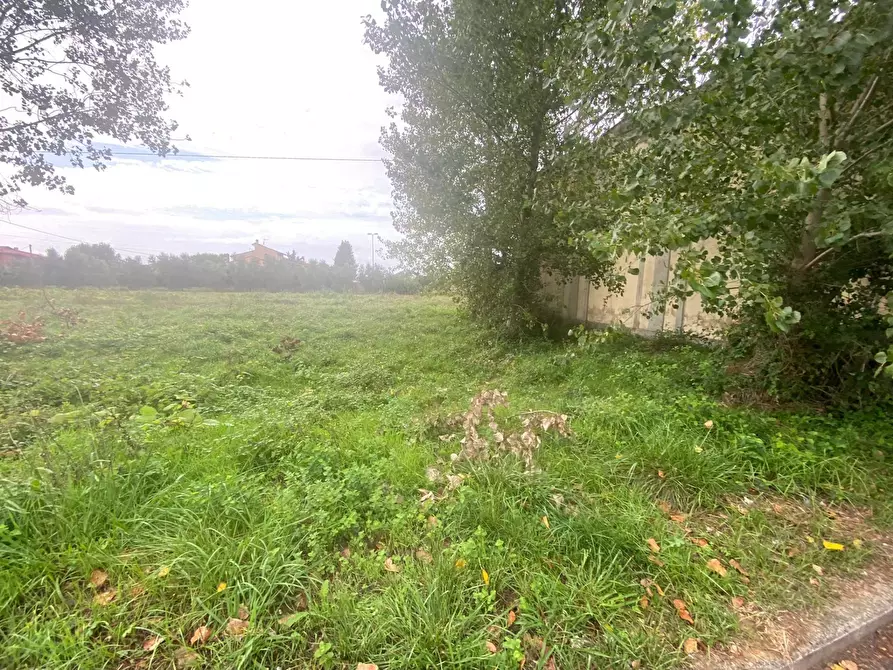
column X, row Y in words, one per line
column 793, row 551
column 682, row 611
column 390, row 566
column 644, row 602
column 98, row 578
column 491, row 647
column 818, row 569
column 550, row 664
column 690, row 646
column 660, row 474
column 367, row 666
column 151, row 643
column 814, row 581
column 678, row 517
column 545, row 520
column 243, row 612
column 654, row 559
column 653, row 545
column 735, row 564
column 659, row 589
column 432, row 521
column 345, row 553
column 664, row 506
column 635, row 665
column 845, row 665
column 186, row 658
column 423, row 556
column 646, row 584
column 105, row 597
column 200, row 635
column 137, row 590
column 700, row 541
column 426, row 496
column 510, row 621
column 737, row 602
column 717, row 567
column 236, row 628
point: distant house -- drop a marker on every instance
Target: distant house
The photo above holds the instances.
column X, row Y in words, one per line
column 10, row 255
column 259, row 254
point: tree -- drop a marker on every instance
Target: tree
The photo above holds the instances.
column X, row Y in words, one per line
column 484, row 115
column 78, row 71
column 764, row 130
column 344, row 266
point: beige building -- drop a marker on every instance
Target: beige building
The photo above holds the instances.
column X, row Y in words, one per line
column 578, row 301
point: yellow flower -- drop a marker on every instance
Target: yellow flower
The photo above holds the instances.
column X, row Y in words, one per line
column 221, row 587
column 461, row 563
column 164, row 572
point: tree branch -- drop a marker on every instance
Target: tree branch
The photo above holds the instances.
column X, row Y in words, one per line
column 10, row 54
column 874, row 233
column 857, row 108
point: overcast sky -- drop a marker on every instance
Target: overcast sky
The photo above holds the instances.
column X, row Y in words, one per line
column 271, row 78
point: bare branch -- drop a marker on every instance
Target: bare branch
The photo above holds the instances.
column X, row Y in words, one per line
column 857, row 108
column 874, row 233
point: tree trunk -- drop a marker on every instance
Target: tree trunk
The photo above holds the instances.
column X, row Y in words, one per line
column 808, row 249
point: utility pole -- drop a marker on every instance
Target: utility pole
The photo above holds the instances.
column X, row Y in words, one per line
column 372, row 235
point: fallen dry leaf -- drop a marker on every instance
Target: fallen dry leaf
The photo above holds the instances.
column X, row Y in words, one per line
column 832, row 546
column 367, row 666
column 423, row 556
column 664, row 506
column 682, row 611
column 221, row 587
column 243, row 612
column 511, row 619
column 164, row 571
column 653, row 545
column 818, row 569
column 737, row 602
column 390, row 566
column 660, row 474
column 813, row 581
column 151, row 643
column 427, row 496
column 545, row 521
column 659, row 589
column 793, row 551
column 635, row 665
column 551, row 664
column 236, row 628
column 345, row 553
column 690, row 646
column 700, row 541
column 98, row 578
column 644, row 602
column 646, row 584
column 654, row 559
column 200, row 635
column 105, row 597
column 491, row 647
column 708, row 424
column 848, row 665
column 717, row 567
column 461, row 563
column 678, row 517
column 735, row 564
column 485, row 577
column 432, row 521
column 137, row 590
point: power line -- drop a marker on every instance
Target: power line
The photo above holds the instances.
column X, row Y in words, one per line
column 72, row 239
column 253, row 158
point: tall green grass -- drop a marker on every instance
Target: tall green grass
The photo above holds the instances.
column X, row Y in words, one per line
column 301, row 477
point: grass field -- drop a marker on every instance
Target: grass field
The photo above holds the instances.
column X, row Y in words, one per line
column 171, row 448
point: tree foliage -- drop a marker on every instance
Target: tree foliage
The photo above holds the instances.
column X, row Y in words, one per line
column 100, row 266
column 756, row 143
column 484, row 86
column 76, row 72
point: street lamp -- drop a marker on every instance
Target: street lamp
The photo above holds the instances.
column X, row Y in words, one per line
column 373, row 236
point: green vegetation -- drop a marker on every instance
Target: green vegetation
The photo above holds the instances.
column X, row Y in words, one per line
column 752, row 140
column 232, row 458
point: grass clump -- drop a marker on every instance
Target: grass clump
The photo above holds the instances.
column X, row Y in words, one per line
column 286, row 461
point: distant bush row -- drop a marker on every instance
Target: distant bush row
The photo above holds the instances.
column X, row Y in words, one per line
column 99, row 265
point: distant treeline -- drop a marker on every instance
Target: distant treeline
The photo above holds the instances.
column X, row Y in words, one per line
column 99, row 265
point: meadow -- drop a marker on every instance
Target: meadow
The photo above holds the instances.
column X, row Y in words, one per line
column 222, row 480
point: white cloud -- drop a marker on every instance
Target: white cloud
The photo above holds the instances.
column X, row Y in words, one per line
column 283, row 79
